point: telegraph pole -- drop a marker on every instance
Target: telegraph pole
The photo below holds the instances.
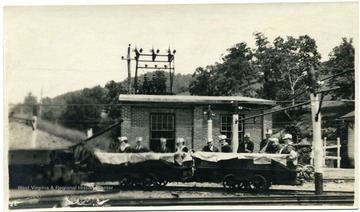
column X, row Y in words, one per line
column 316, row 122
column 171, row 58
column 129, row 69
column 34, row 126
column 235, row 128
column 209, row 114
column 137, row 56
column 40, row 107
column 141, row 60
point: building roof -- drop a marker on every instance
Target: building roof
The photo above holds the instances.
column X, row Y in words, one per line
column 192, row 99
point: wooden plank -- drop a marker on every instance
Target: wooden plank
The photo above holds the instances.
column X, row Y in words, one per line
column 333, row 147
column 332, row 157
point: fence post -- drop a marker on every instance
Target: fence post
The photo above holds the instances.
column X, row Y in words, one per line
column 324, row 150
column 338, row 152
column 312, row 155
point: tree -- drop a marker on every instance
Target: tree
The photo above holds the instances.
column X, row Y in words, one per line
column 157, row 85
column 146, row 87
column 342, row 58
column 204, row 83
column 81, row 113
column 112, row 92
column 234, row 75
column 180, row 83
column 83, row 109
column 30, row 104
column 283, row 65
column 48, row 111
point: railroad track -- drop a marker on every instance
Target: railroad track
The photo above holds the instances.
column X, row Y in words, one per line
column 213, row 190
column 179, row 189
column 224, row 190
column 307, row 200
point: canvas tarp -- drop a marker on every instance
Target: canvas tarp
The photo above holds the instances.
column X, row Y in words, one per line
column 122, row 158
column 256, row 157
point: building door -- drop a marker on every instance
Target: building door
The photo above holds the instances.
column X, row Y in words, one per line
column 162, row 126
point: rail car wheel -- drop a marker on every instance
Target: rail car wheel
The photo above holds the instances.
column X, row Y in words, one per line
column 162, row 183
column 125, row 180
column 230, row 181
column 259, row 183
column 149, row 180
column 243, row 185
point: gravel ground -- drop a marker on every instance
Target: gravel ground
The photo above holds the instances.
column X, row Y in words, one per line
column 333, row 186
column 89, row 198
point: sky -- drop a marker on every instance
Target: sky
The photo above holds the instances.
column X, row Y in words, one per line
column 59, row 49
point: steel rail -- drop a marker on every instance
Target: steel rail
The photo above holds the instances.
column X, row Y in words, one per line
column 338, row 200
column 191, row 189
column 227, row 190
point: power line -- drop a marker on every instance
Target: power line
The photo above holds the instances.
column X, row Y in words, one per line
column 336, row 75
column 112, row 104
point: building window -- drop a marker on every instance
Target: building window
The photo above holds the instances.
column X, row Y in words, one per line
column 226, row 127
column 162, row 126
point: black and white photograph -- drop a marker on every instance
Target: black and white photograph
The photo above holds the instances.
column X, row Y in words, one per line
column 180, row 106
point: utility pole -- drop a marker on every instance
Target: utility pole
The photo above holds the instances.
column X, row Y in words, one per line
column 316, row 122
column 235, row 128
column 34, row 126
column 40, row 107
column 171, row 58
column 141, row 60
column 129, row 69
column 209, row 114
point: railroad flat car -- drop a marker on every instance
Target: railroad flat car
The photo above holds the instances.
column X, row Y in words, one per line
column 30, row 167
column 138, row 169
column 244, row 170
column 250, row 171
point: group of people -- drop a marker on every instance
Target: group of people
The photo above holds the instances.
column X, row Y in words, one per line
column 272, row 145
column 122, row 146
column 268, row 145
column 245, row 146
column 225, row 146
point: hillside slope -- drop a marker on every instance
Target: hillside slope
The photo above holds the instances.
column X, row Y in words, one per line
column 20, row 137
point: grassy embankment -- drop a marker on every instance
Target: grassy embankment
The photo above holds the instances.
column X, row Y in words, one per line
column 61, row 131
column 56, row 129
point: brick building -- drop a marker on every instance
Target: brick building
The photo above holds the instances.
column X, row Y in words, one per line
column 155, row 116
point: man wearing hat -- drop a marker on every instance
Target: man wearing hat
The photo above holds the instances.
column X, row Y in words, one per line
column 225, row 147
column 180, row 146
column 265, row 146
column 139, row 148
column 288, row 147
column 114, row 146
column 163, row 147
column 210, row 147
column 124, row 146
column 276, row 146
column 246, row 146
